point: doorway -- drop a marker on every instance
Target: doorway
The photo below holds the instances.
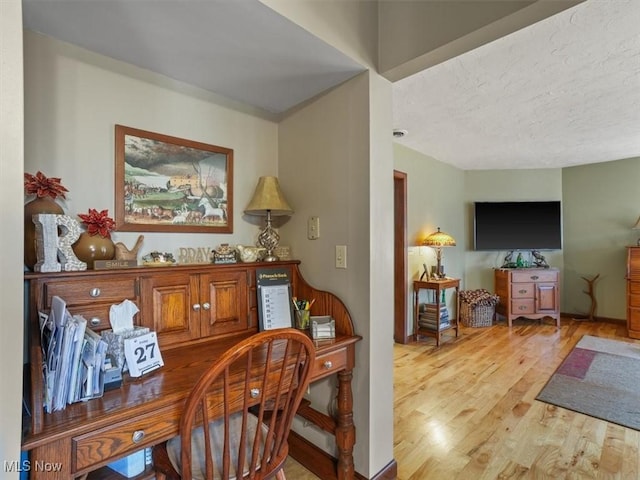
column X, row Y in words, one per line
column 400, row 257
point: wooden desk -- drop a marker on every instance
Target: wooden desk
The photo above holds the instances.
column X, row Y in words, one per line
column 146, row 411
column 438, row 286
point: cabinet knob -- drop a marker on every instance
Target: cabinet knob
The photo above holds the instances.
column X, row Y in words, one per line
column 95, row 321
column 196, row 307
column 254, row 392
column 206, row 306
column 137, row 436
column 328, row 364
column 94, row 292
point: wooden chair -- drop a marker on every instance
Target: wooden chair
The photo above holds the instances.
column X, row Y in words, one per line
column 240, row 411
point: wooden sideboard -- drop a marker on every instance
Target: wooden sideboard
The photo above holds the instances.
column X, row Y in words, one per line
column 528, row 292
column 197, row 311
column 633, row 292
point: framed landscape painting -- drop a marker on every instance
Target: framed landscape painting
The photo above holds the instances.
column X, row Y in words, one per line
column 168, row 184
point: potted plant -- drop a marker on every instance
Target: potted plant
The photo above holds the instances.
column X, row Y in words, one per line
column 95, row 243
column 46, row 191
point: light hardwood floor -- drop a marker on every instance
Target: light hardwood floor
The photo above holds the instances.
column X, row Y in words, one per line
column 467, row 410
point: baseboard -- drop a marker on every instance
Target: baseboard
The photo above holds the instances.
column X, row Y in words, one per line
column 389, row 472
column 582, row 316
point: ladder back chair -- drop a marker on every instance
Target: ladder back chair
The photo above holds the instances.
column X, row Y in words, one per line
column 237, row 418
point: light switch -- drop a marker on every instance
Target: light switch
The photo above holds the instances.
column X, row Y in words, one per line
column 341, row 256
column 313, row 228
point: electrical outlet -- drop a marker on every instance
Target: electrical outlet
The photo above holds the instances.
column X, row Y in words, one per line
column 341, row 256
column 313, row 228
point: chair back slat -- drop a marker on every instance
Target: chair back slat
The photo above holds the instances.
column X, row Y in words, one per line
column 239, row 413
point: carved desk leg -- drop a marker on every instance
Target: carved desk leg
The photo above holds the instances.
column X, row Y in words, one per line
column 345, row 430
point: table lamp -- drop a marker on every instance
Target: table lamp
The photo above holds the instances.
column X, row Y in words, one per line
column 438, row 240
column 268, row 201
column 637, row 227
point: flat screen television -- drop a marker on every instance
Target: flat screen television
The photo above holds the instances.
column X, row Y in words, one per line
column 517, row 226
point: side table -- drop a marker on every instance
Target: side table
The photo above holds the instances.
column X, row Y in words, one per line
column 438, row 286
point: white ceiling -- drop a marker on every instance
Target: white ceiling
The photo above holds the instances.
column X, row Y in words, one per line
column 561, row 92
column 564, row 91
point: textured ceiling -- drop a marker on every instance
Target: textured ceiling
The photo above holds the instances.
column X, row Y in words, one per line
column 561, row 92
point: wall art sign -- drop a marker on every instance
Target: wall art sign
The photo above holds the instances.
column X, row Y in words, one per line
column 168, row 184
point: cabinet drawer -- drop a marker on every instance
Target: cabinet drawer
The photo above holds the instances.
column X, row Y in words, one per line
column 522, row 307
column 329, row 363
column 522, row 290
column 634, row 287
column 633, row 319
column 535, row 276
column 100, row 445
column 103, row 290
column 634, row 300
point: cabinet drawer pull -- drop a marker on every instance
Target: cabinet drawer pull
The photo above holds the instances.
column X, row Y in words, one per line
column 254, row 392
column 137, row 436
column 94, row 292
column 522, row 291
column 328, row 364
column 206, row 306
column 534, row 277
column 95, row 322
column 196, row 307
column 522, row 307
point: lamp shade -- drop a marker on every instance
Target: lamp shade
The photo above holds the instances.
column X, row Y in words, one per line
column 268, row 197
column 439, row 239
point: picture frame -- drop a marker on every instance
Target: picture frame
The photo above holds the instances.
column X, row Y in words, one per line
column 169, row 184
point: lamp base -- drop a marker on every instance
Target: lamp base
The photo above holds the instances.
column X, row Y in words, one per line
column 270, row 258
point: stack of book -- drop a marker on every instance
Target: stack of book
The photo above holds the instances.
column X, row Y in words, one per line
column 428, row 317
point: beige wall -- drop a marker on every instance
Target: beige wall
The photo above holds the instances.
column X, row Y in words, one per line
column 601, row 204
column 73, row 99
column 11, row 194
column 434, row 193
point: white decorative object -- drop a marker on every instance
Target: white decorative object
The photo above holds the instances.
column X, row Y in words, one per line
column 46, row 243
column 52, row 246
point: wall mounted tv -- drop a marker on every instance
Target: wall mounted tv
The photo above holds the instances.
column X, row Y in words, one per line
column 517, row 226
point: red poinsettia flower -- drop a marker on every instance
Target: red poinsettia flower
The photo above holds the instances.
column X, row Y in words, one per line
column 42, row 186
column 98, row 223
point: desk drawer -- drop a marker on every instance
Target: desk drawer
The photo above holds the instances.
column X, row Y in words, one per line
column 91, row 291
column 104, row 445
column 535, row 276
column 522, row 290
column 329, row 363
column 522, row 307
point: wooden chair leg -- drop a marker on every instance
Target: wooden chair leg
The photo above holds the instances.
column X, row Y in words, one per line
column 280, row 475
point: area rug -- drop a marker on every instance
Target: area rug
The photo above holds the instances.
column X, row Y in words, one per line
column 600, row 378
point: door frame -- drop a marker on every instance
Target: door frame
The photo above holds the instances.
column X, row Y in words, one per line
column 400, row 257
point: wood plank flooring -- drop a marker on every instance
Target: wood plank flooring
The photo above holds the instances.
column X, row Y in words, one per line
column 467, row 410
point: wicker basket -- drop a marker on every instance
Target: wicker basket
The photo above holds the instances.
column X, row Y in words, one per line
column 477, row 316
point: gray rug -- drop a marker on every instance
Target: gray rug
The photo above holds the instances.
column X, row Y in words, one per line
column 600, row 378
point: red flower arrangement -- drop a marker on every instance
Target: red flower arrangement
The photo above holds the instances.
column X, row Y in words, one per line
column 42, row 186
column 98, row 223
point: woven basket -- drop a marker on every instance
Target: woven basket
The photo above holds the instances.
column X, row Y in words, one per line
column 478, row 316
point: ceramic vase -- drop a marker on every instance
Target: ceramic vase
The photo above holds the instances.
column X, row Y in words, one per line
column 35, row 206
column 89, row 248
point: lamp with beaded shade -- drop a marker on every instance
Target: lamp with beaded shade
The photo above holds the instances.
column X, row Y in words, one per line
column 438, row 240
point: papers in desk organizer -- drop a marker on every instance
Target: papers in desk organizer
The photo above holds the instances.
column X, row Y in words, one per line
column 323, row 327
column 73, row 358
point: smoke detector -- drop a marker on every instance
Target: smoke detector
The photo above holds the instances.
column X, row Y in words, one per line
column 398, row 133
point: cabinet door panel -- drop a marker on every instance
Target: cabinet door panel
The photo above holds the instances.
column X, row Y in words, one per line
column 546, row 297
column 168, row 307
column 227, row 309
